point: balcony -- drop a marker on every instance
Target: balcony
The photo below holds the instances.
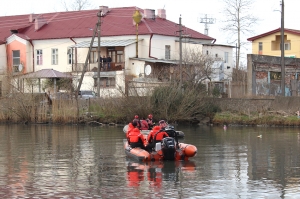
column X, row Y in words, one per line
column 92, row 67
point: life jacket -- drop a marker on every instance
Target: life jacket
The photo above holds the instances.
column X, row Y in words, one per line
column 135, row 135
column 156, row 134
column 130, row 128
column 144, row 125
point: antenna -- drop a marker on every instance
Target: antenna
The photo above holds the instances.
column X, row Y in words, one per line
column 206, row 20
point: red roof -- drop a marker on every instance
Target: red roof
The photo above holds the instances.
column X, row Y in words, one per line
column 78, row 24
column 297, row 32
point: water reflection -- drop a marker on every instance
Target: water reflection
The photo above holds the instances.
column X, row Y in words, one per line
column 153, row 173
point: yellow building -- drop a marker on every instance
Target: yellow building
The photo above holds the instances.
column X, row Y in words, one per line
column 269, row 43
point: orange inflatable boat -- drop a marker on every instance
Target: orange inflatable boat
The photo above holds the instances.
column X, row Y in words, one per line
column 167, row 149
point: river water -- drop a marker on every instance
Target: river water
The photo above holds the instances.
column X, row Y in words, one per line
column 49, row 161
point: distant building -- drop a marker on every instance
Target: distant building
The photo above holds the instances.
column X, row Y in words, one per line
column 269, row 43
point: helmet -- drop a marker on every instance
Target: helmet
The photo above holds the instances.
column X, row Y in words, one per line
column 150, row 116
column 136, row 117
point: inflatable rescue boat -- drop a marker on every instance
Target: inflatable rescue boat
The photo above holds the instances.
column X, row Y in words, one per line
column 167, row 149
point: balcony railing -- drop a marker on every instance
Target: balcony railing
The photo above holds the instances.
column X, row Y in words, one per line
column 78, row 67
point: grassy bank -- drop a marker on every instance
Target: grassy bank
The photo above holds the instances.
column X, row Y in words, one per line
column 267, row 119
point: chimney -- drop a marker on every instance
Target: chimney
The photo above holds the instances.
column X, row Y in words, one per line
column 104, row 9
column 161, row 13
column 32, row 17
column 39, row 22
column 149, row 14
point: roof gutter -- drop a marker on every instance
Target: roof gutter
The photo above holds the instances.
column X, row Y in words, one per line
column 33, row 67
column 150, row 41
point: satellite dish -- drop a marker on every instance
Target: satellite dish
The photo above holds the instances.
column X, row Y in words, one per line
column 148, row 70
column 137, row 71
column 20, row 67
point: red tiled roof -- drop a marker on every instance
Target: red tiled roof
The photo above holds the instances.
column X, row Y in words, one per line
column 78, row 24
column 297, row 32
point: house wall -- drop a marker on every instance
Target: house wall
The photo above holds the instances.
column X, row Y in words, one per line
column 3, row 60
column 220, row 51
column 47, row 46
column 267, row 45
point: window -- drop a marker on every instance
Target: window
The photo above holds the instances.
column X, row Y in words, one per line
column 226, row 57
column 287, row 46
column 167, row 52
column 93, row 56
column 70, row 55
column 207, row 52
column 54, row 56
column 216, row 55
column 16, row 60
column 119, row 56
column 260, row 46
column 39, row 57
column 275, row 75
column 106, row 82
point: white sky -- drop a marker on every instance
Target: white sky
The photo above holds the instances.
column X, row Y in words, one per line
column 190, row 11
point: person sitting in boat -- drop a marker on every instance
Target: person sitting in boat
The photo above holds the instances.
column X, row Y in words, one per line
column 150, row 121
column 130, row 128
column 135, row 138
column 138, row 121
column 144, row 124
column 156, row 135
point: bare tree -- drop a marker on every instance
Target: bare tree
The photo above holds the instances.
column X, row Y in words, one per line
column 73, row 5
column 238, row 22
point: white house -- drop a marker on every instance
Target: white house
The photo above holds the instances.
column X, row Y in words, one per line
column 61, row 41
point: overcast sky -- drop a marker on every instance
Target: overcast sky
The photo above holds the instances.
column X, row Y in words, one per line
column 268, row 11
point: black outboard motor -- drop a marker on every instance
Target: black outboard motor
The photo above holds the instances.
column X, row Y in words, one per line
column 168, row 148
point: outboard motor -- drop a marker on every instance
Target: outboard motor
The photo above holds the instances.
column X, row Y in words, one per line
column 168, row 148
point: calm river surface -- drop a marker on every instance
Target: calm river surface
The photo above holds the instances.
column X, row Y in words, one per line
column 41, row 161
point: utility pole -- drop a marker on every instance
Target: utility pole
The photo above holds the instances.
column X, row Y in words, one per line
column 282, row 51
column 87, row 57
column 99, row 60
column 180, row 52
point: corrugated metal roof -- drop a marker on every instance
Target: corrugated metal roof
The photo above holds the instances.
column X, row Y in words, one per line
column 46, row 73
column 78, row 24
column 156, row 60
column 105, row 43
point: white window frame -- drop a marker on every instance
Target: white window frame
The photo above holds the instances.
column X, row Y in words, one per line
column 167, row 51
column 39, row 57
column 287, row 46
column 54, row 56
column 226, row 57
column 16, row 60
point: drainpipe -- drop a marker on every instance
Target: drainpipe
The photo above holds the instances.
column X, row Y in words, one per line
column 150, row 41
column 30, row 41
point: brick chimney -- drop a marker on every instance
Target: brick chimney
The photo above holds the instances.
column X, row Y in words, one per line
column 32, row 17
column 161, row 13
column 149, row 14
column 39, row 22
